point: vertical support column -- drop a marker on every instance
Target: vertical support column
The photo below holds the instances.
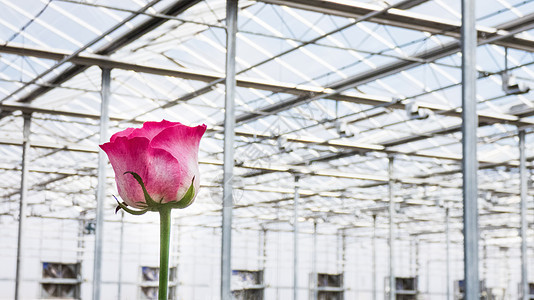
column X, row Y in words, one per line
column 81, row 242
column 101, row 189
column 338, row 250
column 469, row 147
column 391, row 231
column 343, row 257
column 23, row 198
column 229, row 136
column 484, row 257
column 121, row 247
column 417, row 257
column 264, row 250
column 314, row 262
column 343, row 253
column 447, row 251
column 296, row 239
column 278, row 246
column 261, row 242
column 413, row 259
column 374, row 257
column 178, row 253
column 523, row 193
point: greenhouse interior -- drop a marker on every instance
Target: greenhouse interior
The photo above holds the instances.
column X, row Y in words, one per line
column 354, row 149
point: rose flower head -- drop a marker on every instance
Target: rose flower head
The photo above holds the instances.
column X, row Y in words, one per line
column 156, row 165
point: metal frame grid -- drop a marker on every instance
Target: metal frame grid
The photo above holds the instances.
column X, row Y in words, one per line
column 326, row 91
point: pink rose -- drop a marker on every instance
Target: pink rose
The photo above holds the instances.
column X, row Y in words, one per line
column 164, row 155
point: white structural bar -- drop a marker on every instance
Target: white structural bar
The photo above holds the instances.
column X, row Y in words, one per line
column 296, row 239
column 448, row 251
column 229, row 136
column 469, row 148
column 273, row 86
column 23, row 198
column 101, row 188
column 391, row 206
column 523, row 193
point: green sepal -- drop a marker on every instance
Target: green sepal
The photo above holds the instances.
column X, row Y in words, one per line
column 124, row 206
column 152, row 205
column 186, row 199
column 149, row 202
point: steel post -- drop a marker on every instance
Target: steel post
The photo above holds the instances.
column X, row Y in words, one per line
column 229, row 136
column 121, row 248
column 177, row 253
column 22, row 203
column 411, row 259
column 296, row 239
column 264, row 250
column 523, row 193
column 101, row 188
column 338, row 250
column 343, row 252
column 374, row 258
column 484, row 257
column 469, row 149
column 392, row 292
column 314, row 261
column 448, row 252
column 417, row 256
column 81, row 230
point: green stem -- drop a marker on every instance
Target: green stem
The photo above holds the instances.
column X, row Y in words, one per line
column 164, row 242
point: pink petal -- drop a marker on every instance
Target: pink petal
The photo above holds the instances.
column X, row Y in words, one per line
column 164, row 179
column 125, row 132
column 182, row 143
column 151, row 129
column 128, row 155
column 179, row 140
